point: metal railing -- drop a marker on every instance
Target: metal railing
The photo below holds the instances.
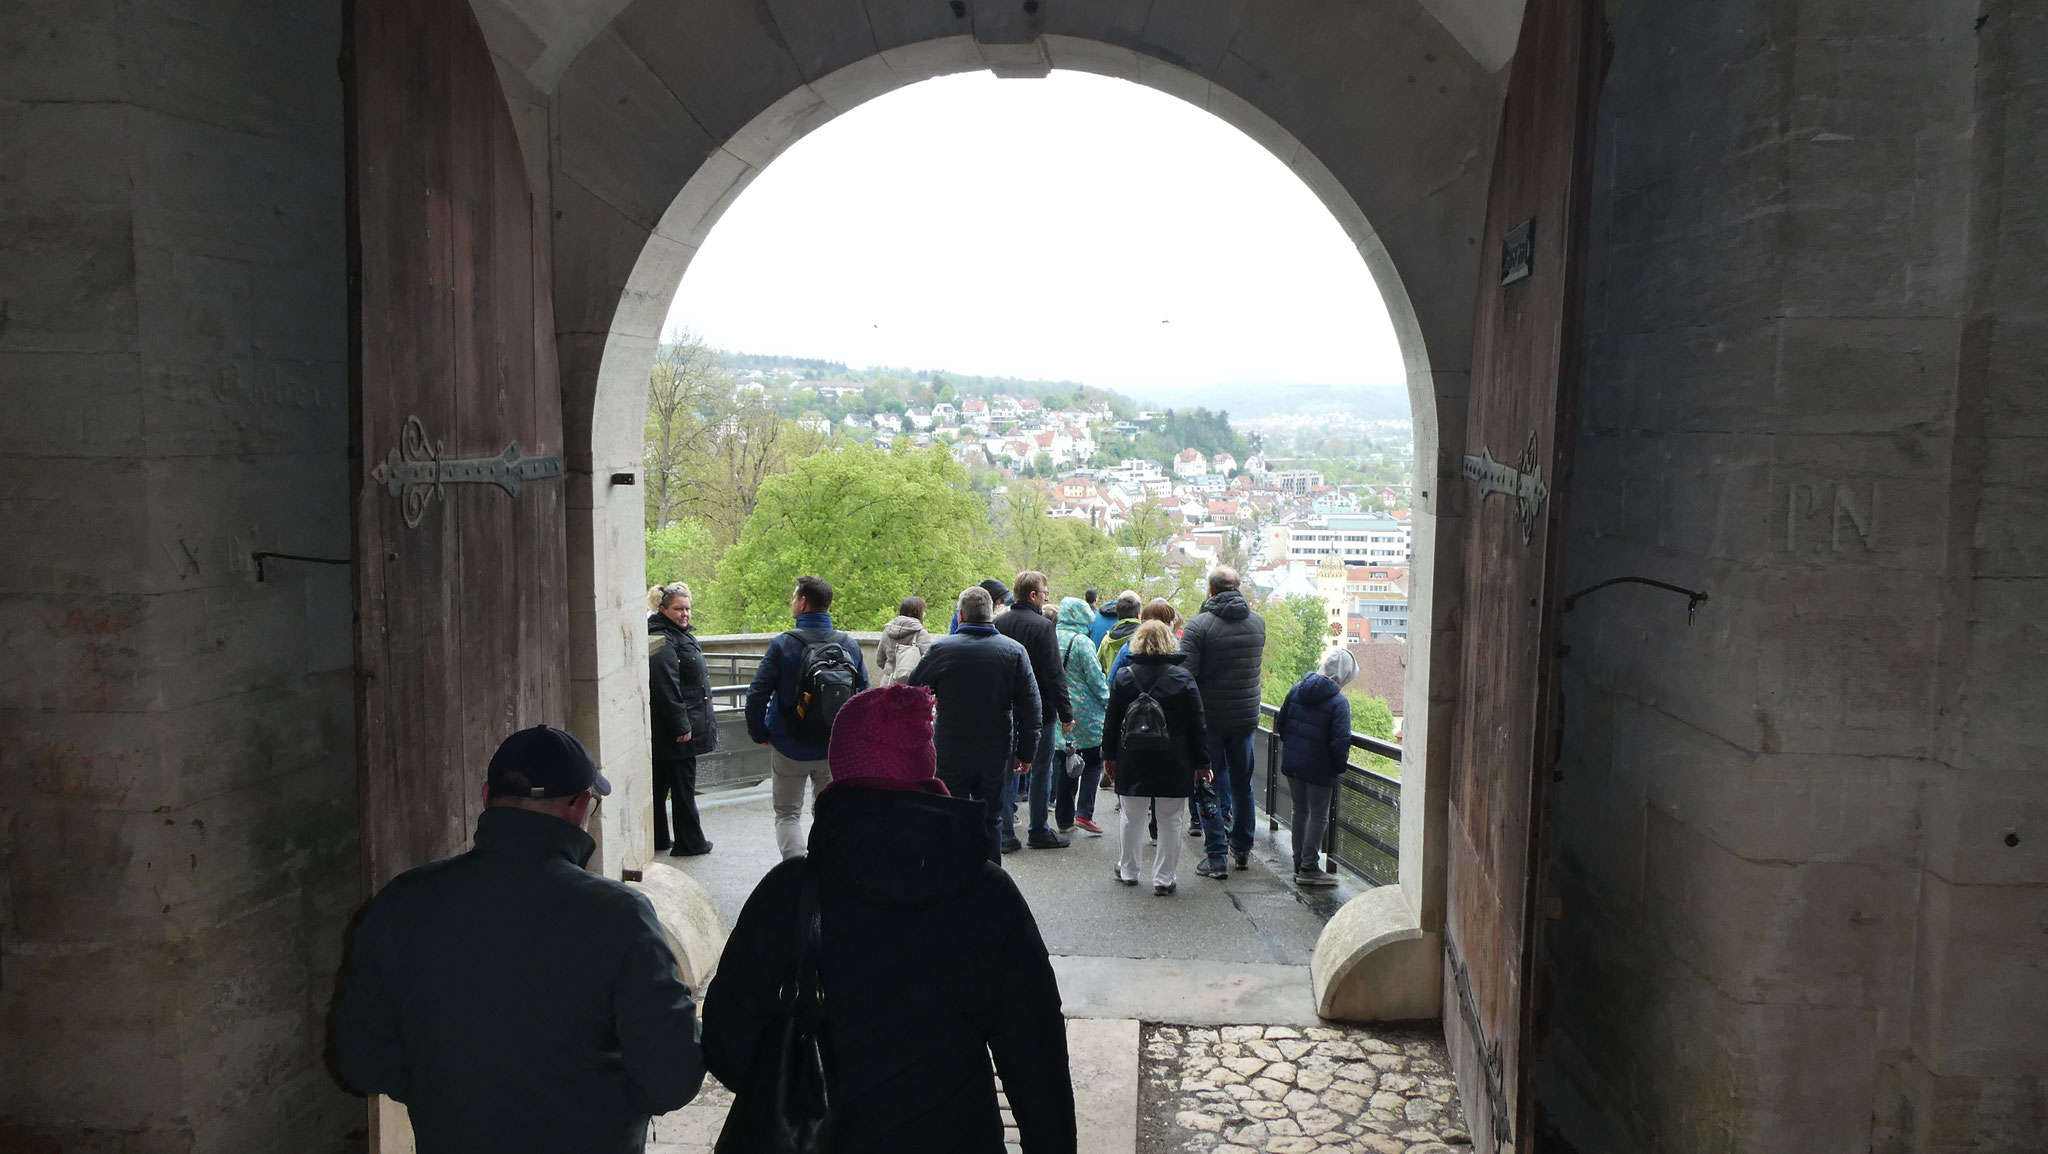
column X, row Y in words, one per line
column 1364, row 831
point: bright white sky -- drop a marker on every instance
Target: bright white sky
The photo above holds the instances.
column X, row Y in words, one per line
column 1041, row 228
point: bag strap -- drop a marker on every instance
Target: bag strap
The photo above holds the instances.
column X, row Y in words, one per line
column 809, row 943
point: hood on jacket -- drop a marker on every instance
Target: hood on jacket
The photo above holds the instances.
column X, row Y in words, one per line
column 896, row 848
column 1314, row 689
column 658, row 625
column 1123, row 629
column 1075, row 614
column 903, row 630
column 1230, row 605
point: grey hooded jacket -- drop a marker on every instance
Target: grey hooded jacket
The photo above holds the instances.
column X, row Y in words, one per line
column 1226, row 647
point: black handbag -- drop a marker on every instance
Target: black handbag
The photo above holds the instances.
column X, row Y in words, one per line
column 785, row 1107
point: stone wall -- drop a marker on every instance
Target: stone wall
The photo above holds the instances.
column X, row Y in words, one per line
column 1799, row 845
column 177, row 785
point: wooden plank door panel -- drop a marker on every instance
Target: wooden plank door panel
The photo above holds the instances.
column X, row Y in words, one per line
column 1518, row 434
column 461, row 588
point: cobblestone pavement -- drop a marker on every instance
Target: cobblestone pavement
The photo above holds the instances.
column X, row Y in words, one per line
column 1278, row 1090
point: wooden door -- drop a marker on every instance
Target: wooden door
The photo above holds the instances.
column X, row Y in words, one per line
column 461, row 585
column 1518, row 437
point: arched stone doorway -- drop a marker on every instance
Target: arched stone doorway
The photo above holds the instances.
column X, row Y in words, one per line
column 664, row 116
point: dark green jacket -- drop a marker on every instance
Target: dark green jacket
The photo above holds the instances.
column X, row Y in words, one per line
column 515, row 1002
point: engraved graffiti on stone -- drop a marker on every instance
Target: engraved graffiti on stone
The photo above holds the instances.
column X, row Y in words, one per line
column 1849, row 516
column 1517, row 252
column 414, row 471
column 1522, row 481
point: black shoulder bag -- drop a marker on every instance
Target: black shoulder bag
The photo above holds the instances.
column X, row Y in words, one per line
column 785, row 1106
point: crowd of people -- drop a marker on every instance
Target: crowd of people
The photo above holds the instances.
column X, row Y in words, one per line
column 516, row 1002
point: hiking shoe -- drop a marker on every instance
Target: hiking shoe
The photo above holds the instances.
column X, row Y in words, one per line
column 1088, row 824
column 1210, row 869
column 1165, row 890
column 1311, row 876
column 1012, row 845
column 1244, row 860
column 1118, row 873
column 1049, row 841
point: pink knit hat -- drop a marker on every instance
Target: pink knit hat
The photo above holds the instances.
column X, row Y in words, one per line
column 882, row 739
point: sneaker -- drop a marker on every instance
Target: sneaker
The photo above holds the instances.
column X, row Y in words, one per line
column 1213, row 870
column 1088, row 825
column 1049, row 841
column 1012, row 845
column 1244, row 860
column 1118, row 873
column 1165, row 890
column 1311, row 876
column 1194, row 831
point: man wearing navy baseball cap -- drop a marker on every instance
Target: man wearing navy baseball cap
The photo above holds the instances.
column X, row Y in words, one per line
column 511, row 999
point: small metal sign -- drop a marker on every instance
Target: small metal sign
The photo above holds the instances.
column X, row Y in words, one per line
column 1517, row 250
column 1522, row 480
column 414, row 471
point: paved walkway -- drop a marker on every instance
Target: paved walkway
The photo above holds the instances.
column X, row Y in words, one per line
column 1219, row 953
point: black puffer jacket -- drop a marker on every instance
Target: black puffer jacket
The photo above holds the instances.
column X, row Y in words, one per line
column 931, row 963
column 1225, row 646
column 679, row 692
column 1041, row 641
column 1166, row 772
column 988, row 701
column 515, row 1001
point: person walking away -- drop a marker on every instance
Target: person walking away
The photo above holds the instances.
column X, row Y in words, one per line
column 1026, row 624
column 930, row 962
column 1088, row 694
column 1314, row 724
column 679, row 694
column 1126, row 605
column 1100, row 617
column 904, row 641
column 1226, row 650
column 967, row 672
column 803, row 679
column 513, row 1001
column 1155, row 745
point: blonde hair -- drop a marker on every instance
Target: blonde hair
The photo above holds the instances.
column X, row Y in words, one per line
column 658, row 595
column 1152, row 637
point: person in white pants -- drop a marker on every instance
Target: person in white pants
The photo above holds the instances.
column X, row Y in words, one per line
column 1155, row 746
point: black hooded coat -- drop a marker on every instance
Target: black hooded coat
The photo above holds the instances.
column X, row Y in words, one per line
column 931, row 964
column 1226, row 646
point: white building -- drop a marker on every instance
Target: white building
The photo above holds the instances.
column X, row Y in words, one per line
column 1190, row 463
column 1353, row 540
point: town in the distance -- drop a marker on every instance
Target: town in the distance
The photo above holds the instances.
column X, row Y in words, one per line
column 1307, row 492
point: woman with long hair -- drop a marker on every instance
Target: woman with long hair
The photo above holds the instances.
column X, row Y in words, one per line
column 1156, row 746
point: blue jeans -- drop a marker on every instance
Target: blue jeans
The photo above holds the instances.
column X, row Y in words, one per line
column 1230, row 756
column 1039, row 787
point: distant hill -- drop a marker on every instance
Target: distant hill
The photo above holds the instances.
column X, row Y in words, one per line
column 1270, row 398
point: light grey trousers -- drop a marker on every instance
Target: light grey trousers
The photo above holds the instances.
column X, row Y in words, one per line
column 1310, row 817
column 788, row 796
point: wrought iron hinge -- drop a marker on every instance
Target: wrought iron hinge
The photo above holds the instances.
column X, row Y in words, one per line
column 414, row 471
column 1522, row 480
column 1488, row 1050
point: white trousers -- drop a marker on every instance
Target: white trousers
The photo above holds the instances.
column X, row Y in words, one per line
column 788, row 796
column 1132, row 818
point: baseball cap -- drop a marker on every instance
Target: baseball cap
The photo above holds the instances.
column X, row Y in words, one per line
column 544, row 762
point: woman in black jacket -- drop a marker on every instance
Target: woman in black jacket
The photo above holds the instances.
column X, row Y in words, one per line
column 930, row 962
column 1146, row 764
column 679, row 691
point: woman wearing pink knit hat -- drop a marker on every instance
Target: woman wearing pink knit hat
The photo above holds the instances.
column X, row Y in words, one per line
column 929, row 960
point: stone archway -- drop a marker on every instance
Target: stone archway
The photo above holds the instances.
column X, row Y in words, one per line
column 662, row 118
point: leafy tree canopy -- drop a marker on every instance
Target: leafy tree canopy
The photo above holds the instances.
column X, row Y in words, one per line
column 878, row 526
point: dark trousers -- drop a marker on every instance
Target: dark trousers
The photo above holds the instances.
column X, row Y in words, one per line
column 677, row 778
column 1077, row 794
column 987, row 787
column 1230, row 756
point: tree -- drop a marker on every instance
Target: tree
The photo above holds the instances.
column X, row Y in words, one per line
column 877, row 525
column 1294, row 643
column 682, row 551
column 681, row 391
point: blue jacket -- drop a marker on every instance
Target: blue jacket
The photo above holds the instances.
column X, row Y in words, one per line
column 1315, row 730
column 1105, row 620
column 773, row 692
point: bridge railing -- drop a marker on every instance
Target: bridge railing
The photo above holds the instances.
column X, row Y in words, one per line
column 1364, row 832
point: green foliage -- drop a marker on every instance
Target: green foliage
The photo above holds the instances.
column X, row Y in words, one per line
column 1370, row 715
column 684, row 551
column 877, row 525
column 1174, row 430
column 1294, row 643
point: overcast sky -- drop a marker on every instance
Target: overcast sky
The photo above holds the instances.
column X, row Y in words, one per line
column 1075, row 227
